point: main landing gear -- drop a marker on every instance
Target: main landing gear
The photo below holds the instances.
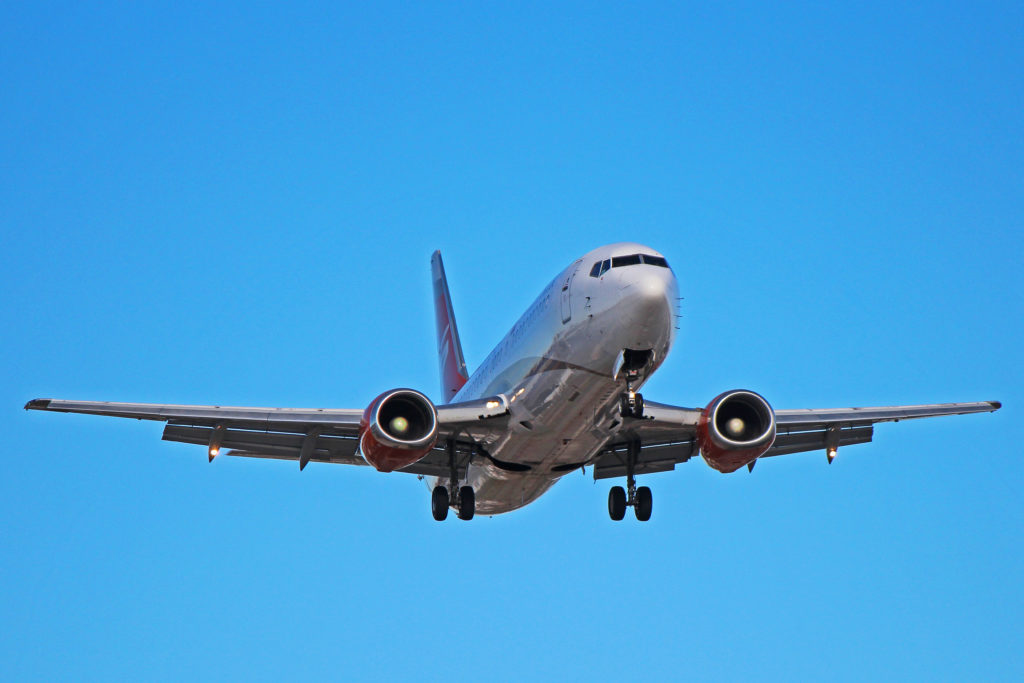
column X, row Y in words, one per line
column 440, row 501
column 639, row 498
column 465, row 499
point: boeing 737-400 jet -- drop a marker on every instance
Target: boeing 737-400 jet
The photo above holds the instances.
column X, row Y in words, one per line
column 559, row 393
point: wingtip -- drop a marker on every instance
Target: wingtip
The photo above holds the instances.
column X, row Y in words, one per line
column 996, row 405
column 38, row 404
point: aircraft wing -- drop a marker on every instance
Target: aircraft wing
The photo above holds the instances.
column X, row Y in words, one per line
column 304, row 435
column 667, row 434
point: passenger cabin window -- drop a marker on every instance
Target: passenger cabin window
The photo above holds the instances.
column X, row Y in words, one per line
column 596, row 270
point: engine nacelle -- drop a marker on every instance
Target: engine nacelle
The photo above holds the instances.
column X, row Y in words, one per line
column 735, row 429
column 397, row 429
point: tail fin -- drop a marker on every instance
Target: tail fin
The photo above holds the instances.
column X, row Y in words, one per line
column 449, row 348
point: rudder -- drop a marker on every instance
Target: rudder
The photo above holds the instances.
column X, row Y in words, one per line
column 449, row 348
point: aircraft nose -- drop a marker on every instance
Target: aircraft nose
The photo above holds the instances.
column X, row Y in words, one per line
column 653, row 298
column 655, row 288
column 652, row 287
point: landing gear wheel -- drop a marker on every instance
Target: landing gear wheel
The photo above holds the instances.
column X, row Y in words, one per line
column 467, row 502
column 439, row 503
column 643, row 505
column 617, row 503
column 634, row 408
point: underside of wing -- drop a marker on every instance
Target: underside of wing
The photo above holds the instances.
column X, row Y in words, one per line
column 664, row 437
column 826, row 417
column 295, row 420
column 668, row 435
column 828, row 429
column 303, row 435
column 614, row 460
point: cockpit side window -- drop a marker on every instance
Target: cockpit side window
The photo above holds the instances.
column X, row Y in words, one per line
column 596, row 270
column 605, row 265
column 655, row 261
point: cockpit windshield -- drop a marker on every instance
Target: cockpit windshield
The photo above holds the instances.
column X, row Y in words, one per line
column 601, row 267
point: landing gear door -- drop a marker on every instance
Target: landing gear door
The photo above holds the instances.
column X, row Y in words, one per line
column 567, row 292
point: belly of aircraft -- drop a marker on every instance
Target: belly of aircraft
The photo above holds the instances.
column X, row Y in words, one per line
column 560, row 436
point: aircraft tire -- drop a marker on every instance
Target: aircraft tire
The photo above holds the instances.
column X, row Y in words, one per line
column 439, row 503
column 617, row 503
column 644, row 504
column 467, row 502
column 635, row 411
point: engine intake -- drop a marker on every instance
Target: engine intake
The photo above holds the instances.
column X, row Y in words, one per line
column 735, row 429
column 397, row 429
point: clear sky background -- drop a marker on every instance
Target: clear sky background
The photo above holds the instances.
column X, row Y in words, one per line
column 237, row 205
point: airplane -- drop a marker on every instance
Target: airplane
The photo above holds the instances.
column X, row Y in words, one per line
column 559, row 393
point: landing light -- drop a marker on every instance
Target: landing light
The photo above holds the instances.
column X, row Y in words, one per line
column 215, row 438
column 491, row 405
column 831, row 454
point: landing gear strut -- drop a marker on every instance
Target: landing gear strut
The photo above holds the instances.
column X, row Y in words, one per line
column 464, row 499
column 639, row 499
column 631, row 404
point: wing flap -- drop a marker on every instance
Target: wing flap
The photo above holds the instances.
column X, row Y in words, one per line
column 434, row 464
column 653, row 458
column 798, row 442
column 318, row 456
column 329, row 448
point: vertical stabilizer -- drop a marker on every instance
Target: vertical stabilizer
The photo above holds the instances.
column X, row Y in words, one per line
column 449, row 348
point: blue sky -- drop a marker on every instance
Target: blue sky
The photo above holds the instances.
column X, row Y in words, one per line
column 237, row 205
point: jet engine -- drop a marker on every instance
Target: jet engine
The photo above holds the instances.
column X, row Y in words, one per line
column 735, row 429
column 397, row 429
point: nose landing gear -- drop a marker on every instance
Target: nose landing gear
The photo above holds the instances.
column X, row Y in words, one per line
column 640, row 499
column 631, row 404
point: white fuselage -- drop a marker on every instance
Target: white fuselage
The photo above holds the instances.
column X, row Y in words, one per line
column 557, row 367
